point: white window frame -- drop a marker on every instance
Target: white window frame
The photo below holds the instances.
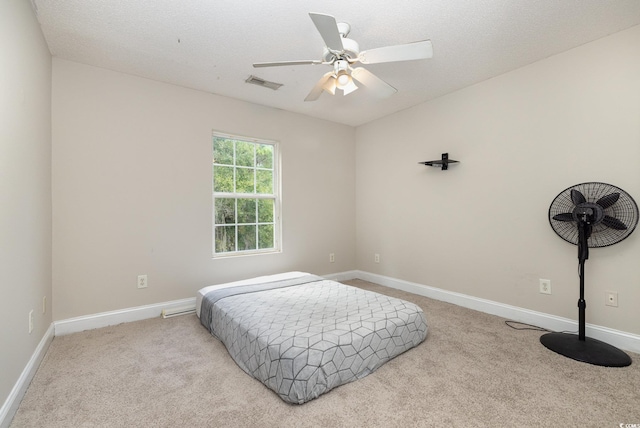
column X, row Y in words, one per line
column 277, row 186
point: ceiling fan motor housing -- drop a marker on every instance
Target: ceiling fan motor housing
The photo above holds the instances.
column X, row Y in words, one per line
column 350, row 51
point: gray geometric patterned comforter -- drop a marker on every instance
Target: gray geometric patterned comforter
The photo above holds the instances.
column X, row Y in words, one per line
column 306, row 336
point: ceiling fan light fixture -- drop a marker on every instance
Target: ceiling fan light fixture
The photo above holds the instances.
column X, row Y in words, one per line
column 330, row 85
column 349, row 88
column 343, row 80
column 342, row 77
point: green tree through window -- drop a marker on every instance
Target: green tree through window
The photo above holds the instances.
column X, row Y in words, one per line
column 245, row 198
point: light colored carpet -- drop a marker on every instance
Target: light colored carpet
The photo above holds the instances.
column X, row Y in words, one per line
column 472, row 371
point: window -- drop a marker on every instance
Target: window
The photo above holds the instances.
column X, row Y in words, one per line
column 246, row 216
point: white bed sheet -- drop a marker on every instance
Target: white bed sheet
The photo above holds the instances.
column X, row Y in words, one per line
column 267, row 278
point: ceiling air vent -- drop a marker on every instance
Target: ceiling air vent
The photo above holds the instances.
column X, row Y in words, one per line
column 264, row 83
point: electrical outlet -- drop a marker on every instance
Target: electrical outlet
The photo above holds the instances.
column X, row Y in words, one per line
column 44, row 305
column 142, row 281
column 545, row 286
column 612, row 298
column 332, row 258
column 376, row 258
column 30, row 321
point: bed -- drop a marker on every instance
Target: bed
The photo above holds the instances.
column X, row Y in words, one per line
column 302, row 335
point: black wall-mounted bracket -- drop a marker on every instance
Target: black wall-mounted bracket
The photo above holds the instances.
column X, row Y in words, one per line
column 444, row 162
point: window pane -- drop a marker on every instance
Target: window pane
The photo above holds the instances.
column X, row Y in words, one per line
column 264, row 156
column 246, row 210
column 225, row 239
column 246, row 238
column 222, row 151
column 265, row 210
column 265, row 236
column 225, row 211
column 243, row 173
column 244, row 153
column 244, row 180
column 264, row 181
column 223, row 179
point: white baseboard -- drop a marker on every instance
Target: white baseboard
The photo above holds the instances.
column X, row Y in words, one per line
column 623, row 340
column 11, row 404
column 105, row 319
column 344, row 276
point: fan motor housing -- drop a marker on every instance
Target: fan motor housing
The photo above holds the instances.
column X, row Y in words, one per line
column 350, row 51
column 589, row 212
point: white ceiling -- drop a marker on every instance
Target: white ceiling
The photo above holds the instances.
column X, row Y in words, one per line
column 210, row 45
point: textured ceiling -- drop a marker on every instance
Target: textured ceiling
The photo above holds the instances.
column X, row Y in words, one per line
column 211, row 45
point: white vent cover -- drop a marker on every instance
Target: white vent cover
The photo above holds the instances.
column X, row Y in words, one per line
column 174, row 312
column 261, row 82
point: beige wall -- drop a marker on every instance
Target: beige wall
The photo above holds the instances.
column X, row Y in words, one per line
column 481, row 227
column 132, row 190
column 25, row 188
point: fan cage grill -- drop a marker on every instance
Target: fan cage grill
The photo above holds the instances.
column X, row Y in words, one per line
column 625, row 210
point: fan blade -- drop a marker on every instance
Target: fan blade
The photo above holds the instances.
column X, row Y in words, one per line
column 280, row 63
column 609, row 200
column 371, row 81
column 577, row 197
column 564, row 217
column 328, row 29
column 408, row 52
column 613, row 223
column 319, row 87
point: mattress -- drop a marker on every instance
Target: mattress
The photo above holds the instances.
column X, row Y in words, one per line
column 302, row 335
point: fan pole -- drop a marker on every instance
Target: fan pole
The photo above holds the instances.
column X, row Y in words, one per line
column 582, row 305
column 584, row 230
column 582, row 348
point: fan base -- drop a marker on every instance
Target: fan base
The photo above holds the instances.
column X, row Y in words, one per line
column 590, row 350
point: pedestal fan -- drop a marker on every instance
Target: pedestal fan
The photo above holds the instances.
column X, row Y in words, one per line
column 590, row 215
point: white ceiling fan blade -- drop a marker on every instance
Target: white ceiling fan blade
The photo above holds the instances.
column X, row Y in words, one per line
column 281, row 63
column 408, row 52
column 319, row 87
column 381, row 88
column 328, row 29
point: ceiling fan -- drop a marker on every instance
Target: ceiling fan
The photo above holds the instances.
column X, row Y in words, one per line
column 341, row 52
